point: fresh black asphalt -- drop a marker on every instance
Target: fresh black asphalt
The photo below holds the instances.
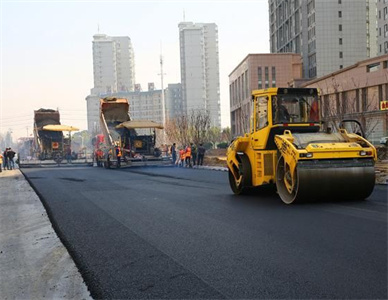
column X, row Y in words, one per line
column 169, row 233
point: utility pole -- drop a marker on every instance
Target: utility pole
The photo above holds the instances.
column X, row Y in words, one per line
column 163, row 101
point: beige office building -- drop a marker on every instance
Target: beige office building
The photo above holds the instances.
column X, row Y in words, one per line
column 259, row 71
column 357, row 92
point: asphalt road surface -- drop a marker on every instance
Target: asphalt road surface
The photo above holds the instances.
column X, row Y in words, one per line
column 180, row 233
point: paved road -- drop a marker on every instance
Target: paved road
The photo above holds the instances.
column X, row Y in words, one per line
column 180, row 233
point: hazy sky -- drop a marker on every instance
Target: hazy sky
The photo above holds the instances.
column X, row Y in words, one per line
column 46, row 49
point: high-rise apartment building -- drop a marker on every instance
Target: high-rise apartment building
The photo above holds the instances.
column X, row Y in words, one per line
column 113, row 71
column 382, row 26
column 330, row 34
column 113, row 64
column 199, row 61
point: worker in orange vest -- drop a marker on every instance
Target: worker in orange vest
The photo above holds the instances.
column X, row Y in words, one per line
column 118, row 155
column 188, row 156
column 182, row 156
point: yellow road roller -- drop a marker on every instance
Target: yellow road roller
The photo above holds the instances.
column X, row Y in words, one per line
column 288, row 146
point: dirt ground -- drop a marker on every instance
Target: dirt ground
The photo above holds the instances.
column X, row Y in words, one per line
column 217, row 157
column 382, row 165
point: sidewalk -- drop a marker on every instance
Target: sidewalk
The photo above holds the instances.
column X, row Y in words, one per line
column 33, row 262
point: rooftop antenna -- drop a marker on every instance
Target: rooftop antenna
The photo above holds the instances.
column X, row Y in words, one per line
column 184, row 17
column 98, row 27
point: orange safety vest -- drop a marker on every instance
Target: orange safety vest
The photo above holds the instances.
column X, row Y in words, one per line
column 188, row 152
column 182, row 154
column 118, row 153
column 100, row 154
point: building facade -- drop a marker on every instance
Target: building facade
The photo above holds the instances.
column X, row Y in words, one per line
column 199, row 61
column 329, row 34
column 113, row 71
column 174, row 104
column 382, row 26
column 357, row 92
column 259, row 71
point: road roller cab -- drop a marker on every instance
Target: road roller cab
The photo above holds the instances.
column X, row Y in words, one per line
column 287, row 146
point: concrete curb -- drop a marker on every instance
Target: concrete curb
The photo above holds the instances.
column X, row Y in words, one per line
column 215, row 168
column 36, row 262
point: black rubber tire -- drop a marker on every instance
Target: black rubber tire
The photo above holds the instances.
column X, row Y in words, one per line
column 157, row 152
column 246, row 173
column 286, row 197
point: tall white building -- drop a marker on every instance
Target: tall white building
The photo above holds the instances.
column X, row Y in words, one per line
column 330, row 34
column 113, row 71
column 199, row 60
column 382, row 26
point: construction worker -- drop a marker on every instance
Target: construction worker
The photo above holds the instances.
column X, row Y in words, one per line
column 99, row 157
column 1, row 163
column 194, row 152
column 173, row 153
column 118, row 155
column 188, row 156
column 182, row 155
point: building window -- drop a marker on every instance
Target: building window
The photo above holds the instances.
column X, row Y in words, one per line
column 373, row 67
column 341, row 66
column 386, row 91
column 364, row 98
column 339, row 1
column 260, row 81
column 266, row 78
column 340, row 41
column 243, row 85
column 340, row 54
column 246, row 83
column 381, row 93
column 273, row 77
column 340, row 27
column 339, row 14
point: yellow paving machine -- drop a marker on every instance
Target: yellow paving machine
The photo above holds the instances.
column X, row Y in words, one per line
column 136, row 139
column 288, row 146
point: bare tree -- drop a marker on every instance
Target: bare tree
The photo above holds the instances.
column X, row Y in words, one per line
column 339, row 104
column 199, row 125
column 177, row 129
column 171, row 130
column 226, row 134
column 214, row 136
